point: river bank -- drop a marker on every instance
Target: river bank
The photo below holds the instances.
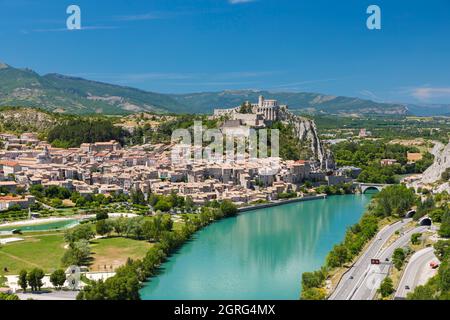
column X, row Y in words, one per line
column 259, row 255
column 280, row 203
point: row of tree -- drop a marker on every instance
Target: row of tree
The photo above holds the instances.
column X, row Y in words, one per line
column 54, row 195
column 138, row 228
column 33, row 279
column 125, row 284
column 339, row 189
column 74, row 132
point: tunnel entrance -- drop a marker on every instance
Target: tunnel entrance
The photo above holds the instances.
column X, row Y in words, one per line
column 410, row 213
column 425, row 222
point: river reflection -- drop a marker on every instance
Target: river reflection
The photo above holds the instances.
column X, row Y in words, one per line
column 259, row 254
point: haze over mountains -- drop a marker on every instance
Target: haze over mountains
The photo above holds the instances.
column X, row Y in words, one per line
column 59, row 93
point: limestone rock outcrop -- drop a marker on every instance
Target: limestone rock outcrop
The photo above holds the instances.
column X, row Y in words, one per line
column 441, row 163
column 305, row 130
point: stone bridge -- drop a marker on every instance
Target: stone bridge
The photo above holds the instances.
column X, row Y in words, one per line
column 373, row 186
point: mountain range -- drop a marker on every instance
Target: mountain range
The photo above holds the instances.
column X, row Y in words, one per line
column 66, row 94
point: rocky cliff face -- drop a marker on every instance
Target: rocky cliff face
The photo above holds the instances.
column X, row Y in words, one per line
column 441, row 163
column 306, row 130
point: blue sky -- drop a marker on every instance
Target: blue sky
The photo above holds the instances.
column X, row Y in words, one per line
column 210, row 45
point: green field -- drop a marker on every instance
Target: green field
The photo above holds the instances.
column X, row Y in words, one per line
column 115, row 251
column 43, row 251
column 46, row 250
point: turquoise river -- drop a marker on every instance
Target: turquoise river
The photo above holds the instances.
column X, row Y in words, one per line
column 259, row 254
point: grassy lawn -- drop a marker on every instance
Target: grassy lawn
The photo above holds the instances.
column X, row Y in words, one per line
column 43, row 251
column 115, row 251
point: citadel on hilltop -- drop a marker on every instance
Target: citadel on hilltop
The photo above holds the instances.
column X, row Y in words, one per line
column 255, row 114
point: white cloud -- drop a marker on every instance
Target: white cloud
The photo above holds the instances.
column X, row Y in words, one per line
column 305, row 82
column 142, row 17
column 427, row 93
column 240, row 1
column 67, row 30
column 226, row 78
column 371, row 95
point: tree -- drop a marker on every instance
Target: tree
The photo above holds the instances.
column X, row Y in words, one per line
column 394, row 200
column 245, row 108
column 152, row 199
column 120, row 225
column 162, row 205
column 444, row 274
column 137, row 197
column 338, row 256
column 424, row 292
column 80, row 201
column 37, row 190
column 446, row 175
column 123, row 286
column 228, row 208
column 6, row 296
column 442, row 248
column 75, row 131
column 34, row 278
column 134, row 228
column 83, row 231
column 95, row 290
column 444, row 230
column 101, row 215
column 56, row 203
column 58, row 278
column 386, row 287
column 313, row 279
column 78, row 254
column 415, row 238
column 398, row 258
column 103, row 227
column 314, row 294
column 189, row 204
column 22, row 281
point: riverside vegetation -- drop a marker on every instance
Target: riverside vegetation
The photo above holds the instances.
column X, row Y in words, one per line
column 391, row 202
column 126, row 283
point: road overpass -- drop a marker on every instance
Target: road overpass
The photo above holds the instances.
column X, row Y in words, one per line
column 356, row 274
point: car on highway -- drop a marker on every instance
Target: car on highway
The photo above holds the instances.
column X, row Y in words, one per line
column 434, row 265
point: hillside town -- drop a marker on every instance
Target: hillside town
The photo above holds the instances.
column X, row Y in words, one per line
column 108, row 168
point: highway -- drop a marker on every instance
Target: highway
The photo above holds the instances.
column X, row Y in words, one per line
column 417, row 272
column 367, row 288
column 358, row 271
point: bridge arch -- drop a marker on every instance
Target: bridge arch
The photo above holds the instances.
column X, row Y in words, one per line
column 364, row 188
